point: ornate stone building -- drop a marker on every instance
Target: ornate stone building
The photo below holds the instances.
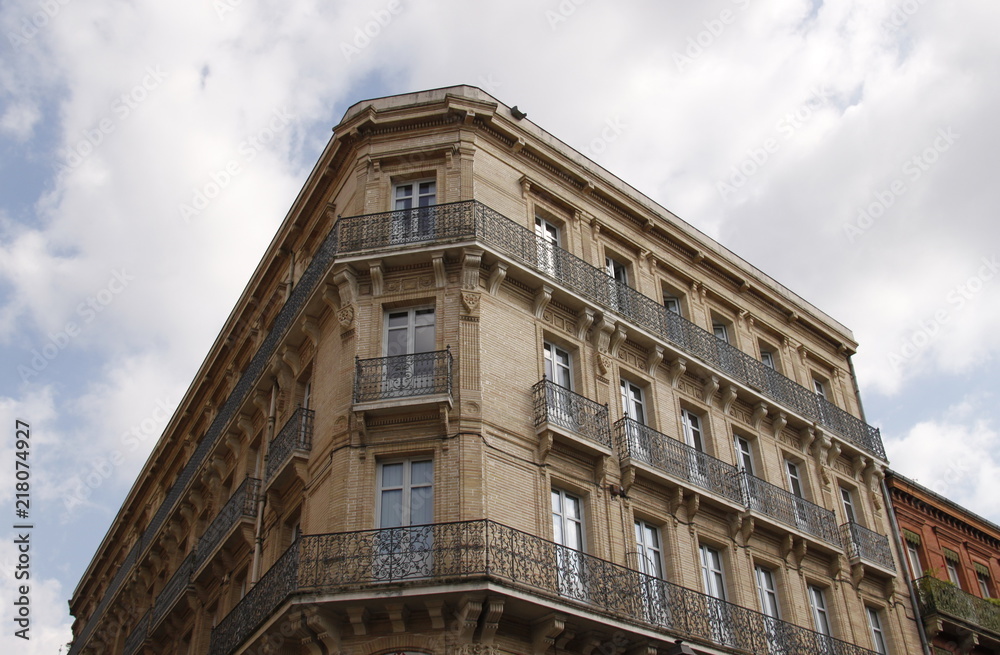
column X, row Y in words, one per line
column 481, row 396
column 953, row 559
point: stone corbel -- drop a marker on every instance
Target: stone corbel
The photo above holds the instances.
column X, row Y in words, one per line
column 440, row 278
column 310, row 327
column 376, row 272
column 602, row 334
column 331, row 296
column 435, row 611
column 741, row 525
column 472, row 258
column 821, row 447
column 290, row 356
column 603, row 363
column 617, row 339
column 347, row 285
column 584, row 319
column 691, row 505
column 544, row 446
column 467, row 616
column 807, row 436
column 346, row 317
column 858, row 464
column 836, row 565
column 711, row 386
column 234, row 442
column 728, row 398
column 358, row 616
column 677, row 368
column 545, row 631
column 857, row 573
column 398, row 615
column 759, row 414
column 654, row 359
column 778, row 424
column 491, row 619
column 675, row 498
column 542, row 297
column 497, row 274
column 833, row 453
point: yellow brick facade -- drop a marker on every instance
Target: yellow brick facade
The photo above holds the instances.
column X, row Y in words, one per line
column 492, row 581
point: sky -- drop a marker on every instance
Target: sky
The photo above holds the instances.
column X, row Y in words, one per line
column 843, row 148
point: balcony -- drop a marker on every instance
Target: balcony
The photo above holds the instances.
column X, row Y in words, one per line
column 947, row 603
column 294, row 441
column 172, row 592
column 775, row 503
column 137, row 637
column 240, row 510
column 473, row 221
column 641, row 443
column 867, row 546
column 486, row 552
column 403, row 381
column 574, row 418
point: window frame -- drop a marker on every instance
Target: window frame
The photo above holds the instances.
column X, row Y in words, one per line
column 415, row 194
column 580, row 521
column 953, row 576
column 762, row 592
column 881, row 645
column 690, row 432
column 411, row 328
column 913, row 559
column 983, row 582
column 744, row 456
column 550, row 352
column 643, row 558
column 709, row 582
column 847, row 504
column 626, row 387
column 820, row 610
column 406, row 499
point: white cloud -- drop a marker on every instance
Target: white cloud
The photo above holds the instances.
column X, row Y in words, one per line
column 19, row 120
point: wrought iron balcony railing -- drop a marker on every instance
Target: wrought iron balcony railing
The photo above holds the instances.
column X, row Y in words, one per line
column 242, row 504
column 403, row 376
column 559, row 406
column 296, row 435
column 781, row 505
column 491, row 552
column 172, row 591
column 643, row 443
column 945, row 599
column 474, row 221
column 866, row 544
column 138, row 635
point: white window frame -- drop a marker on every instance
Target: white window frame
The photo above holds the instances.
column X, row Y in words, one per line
column 713, row 575
column 307, row 395
column 407, row 222
column 616, row 269
column 794, row 479
column 550, row 239
column 952, row 569
column 767, row 592
column 820, row 612
column 411, row 328
column 552, row 354
column 632, row 407
column 649, row 556
column 877, row 632
column 416, row 194
column 913, row 558
column 819, row 386
column 744, row 454
column 983, row 581
column 847, row 501
column 570, row 560
column 672, row 303
column 721, row 331
column 767, row 358
column 691, row 427
column 406, row 487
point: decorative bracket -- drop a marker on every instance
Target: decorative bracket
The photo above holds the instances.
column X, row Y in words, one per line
column 440, row 279
column 711, row 386
column 728, row 398
column 542, row 298
column 677, row 368
column 653, row 362
column 497, row 273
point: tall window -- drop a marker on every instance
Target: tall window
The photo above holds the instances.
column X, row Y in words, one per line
column 721, row 332
column 711, row 571
column 767, row 592
column 567, row 532
column 559, row 402
column 409, row 332
column 744, row 456
column 672, row 303
column 878, row 635
column 795, row 486
column 691, row 423
column 411, row 218
column 848, row 502
column 820, row 388
column 557, row 365
column 821, row 617
column 913, row 555
column 618, row 278
column 548, row 244
column 649, row 553
column 983, row 580
column 634, row 407
column 307, row 395
column 406, row 499
column 767, row 358
column 952, row 569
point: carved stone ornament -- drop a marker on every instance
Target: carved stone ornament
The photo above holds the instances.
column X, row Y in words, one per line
column 346, row 317
column 471, row 302
column 603, row 363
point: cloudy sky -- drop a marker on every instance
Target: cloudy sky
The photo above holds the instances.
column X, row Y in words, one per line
column 843, row 148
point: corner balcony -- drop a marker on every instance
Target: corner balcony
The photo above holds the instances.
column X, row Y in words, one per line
column 682, row 464
column 482, row 555
column 868, row 547
column 776, row 504
column 389, row 383
column 234, row 521
column 290, row 449
column 570, row 417
column 946, row 608
column 470, row 222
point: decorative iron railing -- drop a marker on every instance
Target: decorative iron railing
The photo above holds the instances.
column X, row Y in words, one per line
column 242, row 504
column 473, row 220
column 781, row 505
column 569, row 410
column 867, row 544
column 295, row 435
column 172, row 591
column 944, row 598
column 643, row 443
column 403, row 376
column 485, row 550
column 135, row 639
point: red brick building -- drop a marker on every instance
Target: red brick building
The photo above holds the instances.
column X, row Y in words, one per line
column 954, row 557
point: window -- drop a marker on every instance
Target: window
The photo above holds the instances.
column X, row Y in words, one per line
column 953, row 573
column 616, row 270
column 820, row 388
column 634, row 408
column 406, row 500
column 848, row 502
column 649, row 554
column 767, row 358
column 767, row 592
column 913, row 555
column 307, row 394
column 795, row 486
column 618, row 283
column 567, row 532
column 878, row 636
column 672, row 303
column 548, row 245
column 691, row 424
column 411, row 218
column 720, row 331
column 817, row 603
column 409, row 332
column 983, row 580
column 744, row 456
column 559, row 401
column 715, row 587
column 557, row 366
